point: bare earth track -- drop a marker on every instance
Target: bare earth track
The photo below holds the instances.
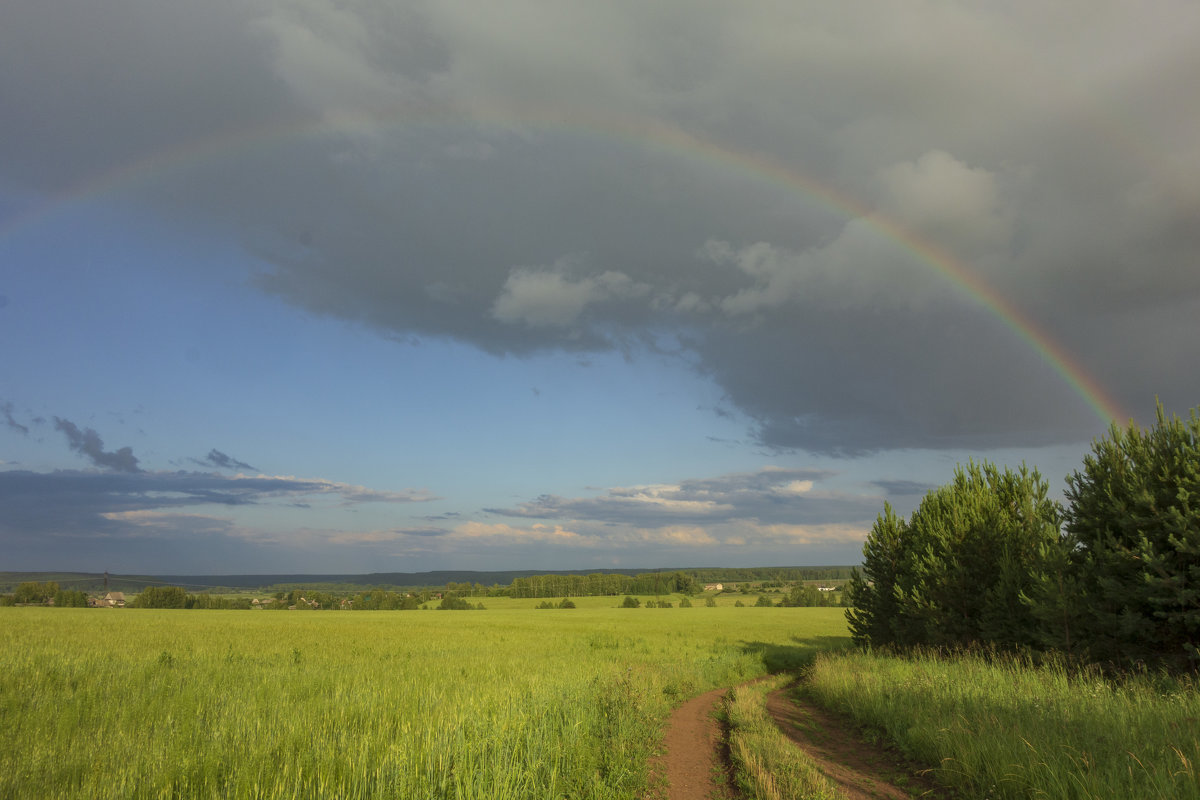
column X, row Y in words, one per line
column 860, row 769
column 694, row 762
column 696, row 768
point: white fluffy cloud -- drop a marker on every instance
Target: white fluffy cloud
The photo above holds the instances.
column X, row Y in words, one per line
column 940, row 197
column 553, row 297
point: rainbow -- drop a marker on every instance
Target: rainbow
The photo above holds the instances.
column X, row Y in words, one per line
column 641, row 132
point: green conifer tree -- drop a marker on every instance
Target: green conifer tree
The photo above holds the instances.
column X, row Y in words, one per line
column 1134, row 514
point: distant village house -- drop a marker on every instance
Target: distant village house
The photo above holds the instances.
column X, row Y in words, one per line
column 110, row 600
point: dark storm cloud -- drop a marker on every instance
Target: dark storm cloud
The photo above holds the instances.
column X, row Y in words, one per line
column 216, row 458
column 432, row 169
column 129, row 80
column 87, row 443
column 769, row 496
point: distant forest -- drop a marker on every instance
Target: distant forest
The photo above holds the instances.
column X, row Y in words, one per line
column 525, row 583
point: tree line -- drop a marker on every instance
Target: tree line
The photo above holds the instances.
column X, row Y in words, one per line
column 1111, row 577
column 176, row 597
column 603, row 584
column 45, row 593
column 453, row 598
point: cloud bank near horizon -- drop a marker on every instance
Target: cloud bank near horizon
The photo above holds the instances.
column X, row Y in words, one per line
column 136, row 516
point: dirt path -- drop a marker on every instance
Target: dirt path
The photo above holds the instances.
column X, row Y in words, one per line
column 693, row 764
column 862, row 771
column 696, row 768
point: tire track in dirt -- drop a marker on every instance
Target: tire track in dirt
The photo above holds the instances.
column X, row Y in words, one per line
column 695, row 764
column 861, row 770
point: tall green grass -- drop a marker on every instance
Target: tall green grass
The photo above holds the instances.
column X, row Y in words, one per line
column 502, row 703
column 767, row 765
column 1008, row 729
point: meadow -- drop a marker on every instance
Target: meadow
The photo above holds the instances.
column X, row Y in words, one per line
column 508, row 702
column 1002, row 727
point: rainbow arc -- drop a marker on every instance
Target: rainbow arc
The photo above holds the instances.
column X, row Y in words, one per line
column 190, row 153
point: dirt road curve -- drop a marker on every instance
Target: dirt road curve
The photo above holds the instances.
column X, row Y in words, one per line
column 696, row 768
column 861, row 770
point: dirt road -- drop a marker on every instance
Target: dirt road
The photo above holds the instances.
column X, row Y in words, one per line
column 696, row 767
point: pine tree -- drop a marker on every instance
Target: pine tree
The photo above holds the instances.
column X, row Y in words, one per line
column 871, row 593
column 1135, row 513
column 961, row 570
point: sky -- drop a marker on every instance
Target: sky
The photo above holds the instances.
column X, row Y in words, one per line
column 368, row 286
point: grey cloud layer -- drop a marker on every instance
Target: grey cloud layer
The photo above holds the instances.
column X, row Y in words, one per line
column 766, row 497
column 168, row 489
column 101, row 512
column 584, row 177
column 137, row 518
column 74, row 502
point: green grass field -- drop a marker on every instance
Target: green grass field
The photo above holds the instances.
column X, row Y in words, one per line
column 1002, row 728
column 509, row 702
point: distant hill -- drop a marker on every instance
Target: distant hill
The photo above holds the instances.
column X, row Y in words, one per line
column 96, row 582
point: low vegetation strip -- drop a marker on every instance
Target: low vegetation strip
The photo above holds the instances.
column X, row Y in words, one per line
column 767, row 765
column 1005, row 728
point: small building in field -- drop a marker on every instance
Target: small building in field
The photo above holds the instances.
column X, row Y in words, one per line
column 714, row 587
column 113, row 600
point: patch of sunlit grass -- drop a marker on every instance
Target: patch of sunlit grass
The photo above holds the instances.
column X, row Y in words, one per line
column 502, row 703
column 768, row 766
column 1005, row 728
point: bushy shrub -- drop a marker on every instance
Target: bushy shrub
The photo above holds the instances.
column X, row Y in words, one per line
column 452, row 602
